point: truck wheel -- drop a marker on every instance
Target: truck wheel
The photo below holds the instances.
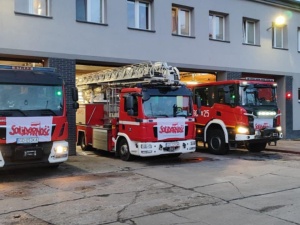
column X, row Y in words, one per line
column 83, row 145
column 256, row 147
column 216, row 142
column 124, row 151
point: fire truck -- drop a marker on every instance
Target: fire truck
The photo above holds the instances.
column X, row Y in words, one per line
column 33, row 122
column 136, row 110
column 237, row 113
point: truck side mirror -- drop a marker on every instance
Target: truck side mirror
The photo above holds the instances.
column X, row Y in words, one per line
column 75, row 105
column 198, row 103
column 75, row 94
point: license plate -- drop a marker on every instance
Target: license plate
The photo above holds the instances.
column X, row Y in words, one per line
column 27, row 140
column 30, row 153
column 172, row 144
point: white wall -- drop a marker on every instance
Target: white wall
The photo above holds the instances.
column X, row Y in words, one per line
column 62, row 37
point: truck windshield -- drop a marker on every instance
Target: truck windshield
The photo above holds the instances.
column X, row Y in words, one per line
column 31, row 100
column 254, row 95
column 167, row 106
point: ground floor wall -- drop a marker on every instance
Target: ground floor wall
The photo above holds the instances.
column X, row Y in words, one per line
column 67, row 69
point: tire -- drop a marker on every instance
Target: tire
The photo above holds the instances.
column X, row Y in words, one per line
column 256, row 147
column 124, row 151
column 54, row 166
column 174, row 155
column 216, row 142
column 83, row 144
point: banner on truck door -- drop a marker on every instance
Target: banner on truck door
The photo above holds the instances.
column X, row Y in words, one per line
column 170, row 128
column 28, row 129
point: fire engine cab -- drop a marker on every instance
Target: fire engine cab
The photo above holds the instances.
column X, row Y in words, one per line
column 33, row 121
column 140, row 110
column 237, row 112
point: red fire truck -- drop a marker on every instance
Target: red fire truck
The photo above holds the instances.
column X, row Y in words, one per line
column 33, row 122
column 140, row 110
column 237, row 112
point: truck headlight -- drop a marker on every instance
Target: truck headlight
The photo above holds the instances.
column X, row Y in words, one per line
column 279, row 129
column 242, row 130
column 60, row 150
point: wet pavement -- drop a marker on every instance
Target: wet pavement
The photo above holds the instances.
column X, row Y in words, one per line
column 286, row 145
column 198, row 188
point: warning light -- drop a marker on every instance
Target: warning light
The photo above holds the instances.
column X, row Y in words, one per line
column 288, row 95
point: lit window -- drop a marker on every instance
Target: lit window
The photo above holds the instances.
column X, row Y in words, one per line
column 217, row 26
column 139, row 14
column 35, row 7
column 251, row 31
column 280, row 36
column 90, row 11
column 181, row 21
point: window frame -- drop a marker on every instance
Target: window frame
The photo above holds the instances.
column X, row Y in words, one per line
column 283, row 34
column 178, row 19
column 256, row 31
column 213, row 24
column 26, row 7
column 88, row 12
column 298, row 39
column 137, row 15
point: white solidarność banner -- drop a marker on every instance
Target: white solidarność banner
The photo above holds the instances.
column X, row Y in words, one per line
column 170, row 128
column 21, row 127
column 262, row 123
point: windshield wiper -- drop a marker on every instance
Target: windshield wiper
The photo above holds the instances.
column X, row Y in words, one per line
column 9, row 112
column 162, row 115
column 47, row 112
column 181, row 115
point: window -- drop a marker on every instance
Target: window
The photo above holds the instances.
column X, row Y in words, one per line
column 217, row 26
column 90, row 11
column 298, row 39
column 181, row 21
column 203, row 93
column 225, row 94
column 251, row 31
column 34, row 7
column 139, row 14
column 280, row 36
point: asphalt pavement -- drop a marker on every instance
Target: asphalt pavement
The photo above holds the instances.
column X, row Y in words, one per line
column 286, row 145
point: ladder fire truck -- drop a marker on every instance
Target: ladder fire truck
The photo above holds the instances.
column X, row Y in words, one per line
column 237, row 112
column 137, row 110
column 33, row 122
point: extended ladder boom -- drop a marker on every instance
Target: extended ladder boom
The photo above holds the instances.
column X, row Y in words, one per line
column 148, row 72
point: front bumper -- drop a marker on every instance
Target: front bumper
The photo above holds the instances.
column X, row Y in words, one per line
column 163, row 148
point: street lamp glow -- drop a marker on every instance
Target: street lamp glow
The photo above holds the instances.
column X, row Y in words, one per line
column 279, row 21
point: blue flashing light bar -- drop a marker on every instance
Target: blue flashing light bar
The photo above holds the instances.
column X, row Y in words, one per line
column 41, row 69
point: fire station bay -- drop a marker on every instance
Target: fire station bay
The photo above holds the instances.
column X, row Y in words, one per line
column 255, row 42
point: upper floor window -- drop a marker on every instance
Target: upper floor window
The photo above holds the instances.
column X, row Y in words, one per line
column 298, row 39
column 181, row 21
column 139, row 14
column 218, row 26
column 34, row 7
column 90, row 11
column 280, row 36
column 251, row 31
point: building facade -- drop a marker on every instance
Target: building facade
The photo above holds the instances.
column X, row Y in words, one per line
column 231, row 39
